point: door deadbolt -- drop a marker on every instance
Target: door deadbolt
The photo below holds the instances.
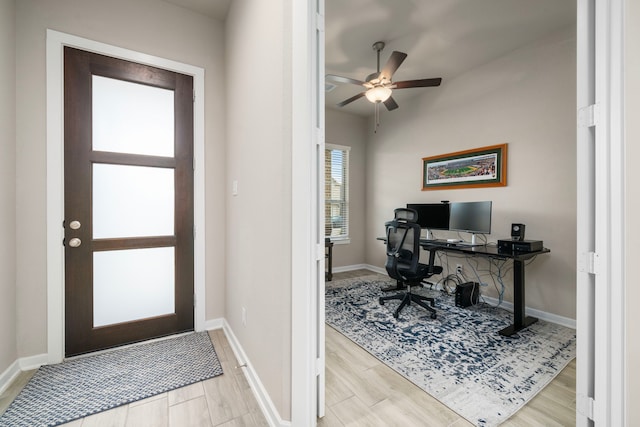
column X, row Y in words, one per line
column 75, row 242
column 75, row 225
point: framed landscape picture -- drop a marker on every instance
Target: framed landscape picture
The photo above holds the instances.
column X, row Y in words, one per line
column 479, row 167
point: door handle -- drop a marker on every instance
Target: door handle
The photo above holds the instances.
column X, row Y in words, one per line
column 75, row 242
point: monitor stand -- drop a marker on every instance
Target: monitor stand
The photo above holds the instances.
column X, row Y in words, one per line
column 428, row 236
column 473, row 242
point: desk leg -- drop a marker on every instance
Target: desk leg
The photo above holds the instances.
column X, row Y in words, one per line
column 329, row 258
column 520, row 321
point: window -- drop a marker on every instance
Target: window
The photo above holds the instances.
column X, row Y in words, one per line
column 336, row 192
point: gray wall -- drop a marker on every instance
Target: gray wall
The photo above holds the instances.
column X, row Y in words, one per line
column 258, row 157
column 8, row 350
column 147, row 26
column 352, row 131
column 525, row 99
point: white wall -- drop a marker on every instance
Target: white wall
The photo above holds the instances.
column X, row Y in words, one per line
column 8, row 350
column 258, row 270
column 148, row 26
column 632, row 196
column 352, row 131
column 525, row 99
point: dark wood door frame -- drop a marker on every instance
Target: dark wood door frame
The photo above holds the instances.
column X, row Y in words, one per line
column 79, row 68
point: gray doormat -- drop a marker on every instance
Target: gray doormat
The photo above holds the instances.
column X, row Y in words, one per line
column 80, row 387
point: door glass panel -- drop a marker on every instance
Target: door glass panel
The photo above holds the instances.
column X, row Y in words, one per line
column 132, row 284
column 132, row 118
column 132, row 201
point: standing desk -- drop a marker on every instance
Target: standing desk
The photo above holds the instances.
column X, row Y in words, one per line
column 520, row 321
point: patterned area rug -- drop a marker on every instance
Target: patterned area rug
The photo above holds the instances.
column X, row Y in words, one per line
column 74, row 389
column 458, row 358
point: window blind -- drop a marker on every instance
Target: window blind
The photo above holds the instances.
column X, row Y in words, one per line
column 336, row 192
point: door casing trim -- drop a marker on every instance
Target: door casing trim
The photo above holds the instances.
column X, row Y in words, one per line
column 55, row 177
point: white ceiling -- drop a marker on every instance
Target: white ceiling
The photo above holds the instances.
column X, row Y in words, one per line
column 443, row 38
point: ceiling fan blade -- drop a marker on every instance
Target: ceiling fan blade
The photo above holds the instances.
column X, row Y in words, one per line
column 392, row 65
column 418, row 83
column 340, row 79
column 390, row 103
column 350, row 100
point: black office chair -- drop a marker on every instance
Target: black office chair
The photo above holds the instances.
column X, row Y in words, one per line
column 403, row 255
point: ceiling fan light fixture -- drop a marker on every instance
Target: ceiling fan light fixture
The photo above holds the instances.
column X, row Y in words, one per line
column 378, row 94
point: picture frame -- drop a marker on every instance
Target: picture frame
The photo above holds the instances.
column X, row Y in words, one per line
column 478, row 167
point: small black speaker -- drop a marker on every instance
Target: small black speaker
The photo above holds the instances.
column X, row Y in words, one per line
column 517, row 232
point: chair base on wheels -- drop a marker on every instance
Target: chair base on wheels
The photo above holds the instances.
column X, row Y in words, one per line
column 407, row 298
column 398, row 287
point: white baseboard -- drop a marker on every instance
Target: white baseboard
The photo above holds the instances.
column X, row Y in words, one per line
column 549, row 317
column 358, row 267
column 266, row 404
column 33, row 362
column 347, row 268
column 9, row 375
column 212, row 324
column 22, row 364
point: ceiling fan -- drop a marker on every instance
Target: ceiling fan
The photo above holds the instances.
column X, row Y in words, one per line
column 379, row 84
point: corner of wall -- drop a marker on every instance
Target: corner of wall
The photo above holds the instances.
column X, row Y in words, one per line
column 8, row 340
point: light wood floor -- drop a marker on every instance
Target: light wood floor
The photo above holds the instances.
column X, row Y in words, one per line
column 360, row 391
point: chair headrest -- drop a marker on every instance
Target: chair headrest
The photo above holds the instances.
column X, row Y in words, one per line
column 405, row 214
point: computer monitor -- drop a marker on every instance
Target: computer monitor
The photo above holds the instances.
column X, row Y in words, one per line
column 472, row 217
column 432, row 216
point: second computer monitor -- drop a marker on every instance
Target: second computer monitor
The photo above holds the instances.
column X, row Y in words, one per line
column 472, row 217
column 432, row 216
